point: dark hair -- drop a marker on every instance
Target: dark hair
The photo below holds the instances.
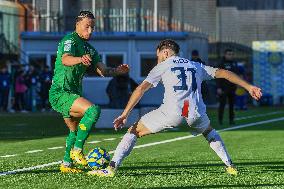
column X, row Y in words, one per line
column 195, row 52
column 168, row 44
column 84, row 14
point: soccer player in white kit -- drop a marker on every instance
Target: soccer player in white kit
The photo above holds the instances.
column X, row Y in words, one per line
column 182, row 80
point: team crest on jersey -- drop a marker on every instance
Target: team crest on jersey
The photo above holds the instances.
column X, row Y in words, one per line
column 67, row 45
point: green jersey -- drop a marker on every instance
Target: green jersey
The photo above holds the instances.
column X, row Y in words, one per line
column 69, row 78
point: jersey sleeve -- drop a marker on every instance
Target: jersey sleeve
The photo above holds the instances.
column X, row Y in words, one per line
column 94, row 54
column 155, row 75
column 68, row 46
column 208, row 72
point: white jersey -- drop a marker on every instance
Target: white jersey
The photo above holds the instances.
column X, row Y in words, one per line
column 182, row 80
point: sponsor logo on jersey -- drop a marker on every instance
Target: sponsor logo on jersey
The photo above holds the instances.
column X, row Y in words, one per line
column 181, row 61
column 67, row 45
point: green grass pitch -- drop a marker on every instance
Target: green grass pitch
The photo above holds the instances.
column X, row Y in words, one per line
column 257, row 151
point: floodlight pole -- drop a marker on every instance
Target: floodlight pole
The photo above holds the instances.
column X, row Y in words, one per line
column 155, row 15
column 48, row 16
column 124, row 15
column 94, row 7
column 60, row 16
column 34, row 18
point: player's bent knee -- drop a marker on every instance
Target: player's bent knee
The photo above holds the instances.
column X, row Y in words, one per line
column 133, row 130
column 138, row 134
column 142, row 130
column 142, row 133
column 139, row 129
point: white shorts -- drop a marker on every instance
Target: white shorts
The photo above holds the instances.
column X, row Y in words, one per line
column 158, row 120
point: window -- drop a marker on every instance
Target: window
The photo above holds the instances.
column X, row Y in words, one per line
column 111, row 60
column 147, row 63
column 114, row 60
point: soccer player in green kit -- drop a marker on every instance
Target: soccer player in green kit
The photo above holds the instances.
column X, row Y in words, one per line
column 74, row 55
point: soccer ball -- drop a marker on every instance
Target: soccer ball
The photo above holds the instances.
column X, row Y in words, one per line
column 98, row 158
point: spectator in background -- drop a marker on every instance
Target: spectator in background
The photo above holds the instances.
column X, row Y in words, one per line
column 32, row 80
column 195, row 57
column 225, row 89
column 20, row 90
column 119, row 90
column 45, row 84
column 204, row 89
column 5, row 81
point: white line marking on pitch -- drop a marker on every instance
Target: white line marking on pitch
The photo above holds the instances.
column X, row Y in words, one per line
column 33, row 151
column 253, row 124
column 259, row 115
column 94, row 142
column 55, row 148
column 109, row 139
column 12, row 155
column 145, row 145
column 29, row 168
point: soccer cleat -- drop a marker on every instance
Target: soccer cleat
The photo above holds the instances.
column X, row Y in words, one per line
column 69, row 169
column 108, row 172
column 78, row 157
column 231, row 170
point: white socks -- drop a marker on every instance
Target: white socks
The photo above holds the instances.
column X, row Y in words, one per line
column 123, row 149
column 217, row 144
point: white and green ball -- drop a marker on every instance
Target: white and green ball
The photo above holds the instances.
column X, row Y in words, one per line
column 98, row 158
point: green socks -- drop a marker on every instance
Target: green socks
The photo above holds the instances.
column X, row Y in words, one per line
column 70, row 141
column 90, row 117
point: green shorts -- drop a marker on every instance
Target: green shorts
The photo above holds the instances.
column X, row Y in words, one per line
column 61, row 101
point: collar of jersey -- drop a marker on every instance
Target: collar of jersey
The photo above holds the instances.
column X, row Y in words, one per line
column 170, row 58
column 77, row 36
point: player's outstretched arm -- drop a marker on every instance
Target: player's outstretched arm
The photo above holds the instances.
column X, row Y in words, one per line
column 254, row 91
column 69, row 60
column 107, row 71
column 134, row 99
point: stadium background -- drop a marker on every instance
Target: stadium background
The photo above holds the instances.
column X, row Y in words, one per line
column 209, row 26
column 127, row 31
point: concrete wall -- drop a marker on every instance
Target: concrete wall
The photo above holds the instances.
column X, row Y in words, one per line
column 108, row 115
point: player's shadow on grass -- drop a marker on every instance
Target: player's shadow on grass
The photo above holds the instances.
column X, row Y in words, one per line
column 38, row 171
column 219, row 163
column 43, row 171
column 169, row 169
column 172, row 168
column 275, row 168
column 222, row 186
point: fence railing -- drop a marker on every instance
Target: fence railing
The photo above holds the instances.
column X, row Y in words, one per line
column 112, row 20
